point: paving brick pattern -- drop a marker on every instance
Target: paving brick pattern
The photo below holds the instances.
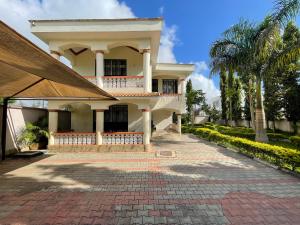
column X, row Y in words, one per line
column 203, row 184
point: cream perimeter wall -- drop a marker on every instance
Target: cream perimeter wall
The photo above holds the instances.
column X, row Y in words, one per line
column 85, row 62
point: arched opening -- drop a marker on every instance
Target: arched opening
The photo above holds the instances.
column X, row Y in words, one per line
column 123, row 117
column 164, row 119
column 76, row 117
column 123, row 61
column 116, row 118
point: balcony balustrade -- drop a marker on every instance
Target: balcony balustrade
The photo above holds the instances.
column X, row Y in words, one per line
column 122, row 138
column 110, row 138
column 110, row 82
column 75, row 138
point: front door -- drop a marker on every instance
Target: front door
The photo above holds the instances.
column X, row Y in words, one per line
column 116, row 119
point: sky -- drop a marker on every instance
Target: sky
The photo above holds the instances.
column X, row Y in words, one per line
column 190, row 26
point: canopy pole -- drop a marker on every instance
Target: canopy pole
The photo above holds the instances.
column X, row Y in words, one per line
column 4, row 125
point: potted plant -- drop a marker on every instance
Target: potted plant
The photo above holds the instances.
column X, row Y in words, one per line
column 35, row 135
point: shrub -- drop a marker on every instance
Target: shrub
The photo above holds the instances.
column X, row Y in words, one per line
column 243, row 132
column 275, row 154
column 295, row 140
column 276, row 136
column 34, row 133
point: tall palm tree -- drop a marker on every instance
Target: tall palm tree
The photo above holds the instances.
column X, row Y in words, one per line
column 253, row 50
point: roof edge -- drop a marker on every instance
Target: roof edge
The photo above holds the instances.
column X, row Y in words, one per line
column 98, row 20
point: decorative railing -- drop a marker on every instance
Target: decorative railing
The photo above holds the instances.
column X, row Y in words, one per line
column 75, row 138
column 122, row 138
column 123, row 82
column 119, row 81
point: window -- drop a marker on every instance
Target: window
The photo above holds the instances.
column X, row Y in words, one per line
column 170, row 86
column 115, row 67
column 154, row 85
column 116, row 119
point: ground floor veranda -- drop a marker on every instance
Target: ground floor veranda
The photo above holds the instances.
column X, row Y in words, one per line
column 103, row 126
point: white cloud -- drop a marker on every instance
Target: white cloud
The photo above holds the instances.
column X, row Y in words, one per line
column 161, row 10
column 200, row 81
column 16, row 13
column 167, row 43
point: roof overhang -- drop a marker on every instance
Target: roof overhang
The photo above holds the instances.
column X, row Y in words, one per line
column 171, row 69
column 99, row 29
column 26, row 71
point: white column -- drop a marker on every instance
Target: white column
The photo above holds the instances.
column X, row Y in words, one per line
column 179, row 123
column 146, row 125
column 52, row 125
column 55, row 54
column 147, row 71
column 99, row 67
column 99, row 125
column 181, row 81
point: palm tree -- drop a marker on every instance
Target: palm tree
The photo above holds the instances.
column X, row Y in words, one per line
column 253, row 51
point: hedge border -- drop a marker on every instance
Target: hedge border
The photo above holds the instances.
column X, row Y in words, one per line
column 277, row 155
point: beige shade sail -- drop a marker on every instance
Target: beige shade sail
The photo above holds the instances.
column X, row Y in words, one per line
column 26, row 71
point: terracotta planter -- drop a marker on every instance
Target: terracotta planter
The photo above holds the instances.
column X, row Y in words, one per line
column 34, row 146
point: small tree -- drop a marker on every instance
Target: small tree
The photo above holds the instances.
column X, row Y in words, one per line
column 194, row 98
column 230, row 92
column 223, row 89
column 189, row 101
column 291, row 88
column 236, row 100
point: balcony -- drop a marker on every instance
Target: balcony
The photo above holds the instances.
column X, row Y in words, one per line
column 115, row 83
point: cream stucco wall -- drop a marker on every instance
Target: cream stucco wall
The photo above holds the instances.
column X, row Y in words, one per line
column 135, row 119
column 81, row 118
column 84, row 63
column 162, row 119
column 17, row 118
column 134, row 59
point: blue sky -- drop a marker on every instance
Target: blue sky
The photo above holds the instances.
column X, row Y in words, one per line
column 190, row 26
column 200, row 22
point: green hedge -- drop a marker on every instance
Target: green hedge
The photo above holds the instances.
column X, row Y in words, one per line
column 295, row 140
column 243, row 132
column 283, row 157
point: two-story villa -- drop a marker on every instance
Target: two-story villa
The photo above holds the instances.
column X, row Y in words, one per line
column 119, row 56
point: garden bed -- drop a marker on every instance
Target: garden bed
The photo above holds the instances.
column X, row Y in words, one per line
column 283, row 157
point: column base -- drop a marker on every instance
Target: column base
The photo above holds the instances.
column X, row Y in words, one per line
column 148, row 148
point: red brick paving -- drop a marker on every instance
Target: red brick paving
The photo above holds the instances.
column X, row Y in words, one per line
column 142, row 189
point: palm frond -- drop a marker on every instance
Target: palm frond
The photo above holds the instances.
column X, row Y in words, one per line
column 282, row 58
column 285, row 10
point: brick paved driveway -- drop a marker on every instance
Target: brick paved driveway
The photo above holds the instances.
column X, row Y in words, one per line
column 200, row 184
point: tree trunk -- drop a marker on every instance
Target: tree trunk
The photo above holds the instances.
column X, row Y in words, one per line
column 230, row 111
column 260, row 132
column 251, row 103
column 193, row 116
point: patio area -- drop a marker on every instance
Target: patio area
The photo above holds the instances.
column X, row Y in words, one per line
column 190, row 182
